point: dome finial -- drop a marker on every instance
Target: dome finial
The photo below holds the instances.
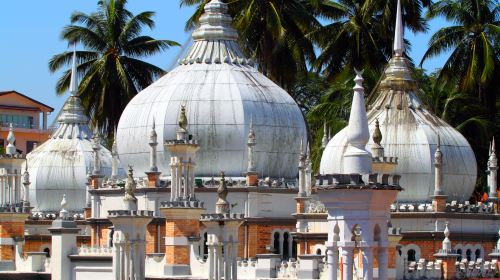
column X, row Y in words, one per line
column 398, row 32
column 11, row 139
column 446, row 241
column 73, row 84
column 377, row 134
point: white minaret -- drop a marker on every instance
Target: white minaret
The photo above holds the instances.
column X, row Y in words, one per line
column 11, row 138
column 26, row 184
column 446, row 242
column 308, row 172
column 152, row 153
column 251, row 144
column 399, row 48
column 438, row 162
column 492, row 172
column 96, row 146
column 302, row 171
column 114, row 160
column 357, row 160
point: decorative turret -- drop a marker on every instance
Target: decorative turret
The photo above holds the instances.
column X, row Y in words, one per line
column 448, row 256
column 252, row 179
column 222, row 205
column 183, row 123
column 377, row 149
column 26, row 184
column 439, row 197
column 153, row 173
column 63, row 214
column 492, row 173
column 308, row 172
column 96, row 147
column 302, row 170
column 356, row 158
column 380, row 163
column 11, row 139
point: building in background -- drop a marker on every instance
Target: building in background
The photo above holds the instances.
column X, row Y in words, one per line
column 28, row 117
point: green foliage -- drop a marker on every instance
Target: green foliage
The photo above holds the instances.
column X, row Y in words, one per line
column 110, row 67
column 2, row 150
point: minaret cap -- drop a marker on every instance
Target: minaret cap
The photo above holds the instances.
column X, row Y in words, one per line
column 398, row 32
column 73, row 84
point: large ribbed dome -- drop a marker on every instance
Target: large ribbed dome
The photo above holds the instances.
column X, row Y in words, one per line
column 410, row 132
column 222, row 92
column 60, row 165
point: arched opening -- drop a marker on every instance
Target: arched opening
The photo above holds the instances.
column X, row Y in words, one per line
column 111, row 232
column 468, row 255
column 477, row 253
column 204, row 253
column 411, row 255
column 47, row 251
column 286, row 246
column 318, row 252
column 376, row 233
column 459, row 252
column 276, row 243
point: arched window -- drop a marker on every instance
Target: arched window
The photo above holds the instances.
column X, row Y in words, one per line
column 276, row 243
column 286, row 246
column 318, row 252
column 468, row 255
column 478, row 254
column 111, row 232
column 294, row 249
column 459, row 252
column 411, row 255
column 47, row 251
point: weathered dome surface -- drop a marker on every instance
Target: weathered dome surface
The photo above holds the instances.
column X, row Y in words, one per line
column 222, row 92
column 410, row 132
column 59, row 166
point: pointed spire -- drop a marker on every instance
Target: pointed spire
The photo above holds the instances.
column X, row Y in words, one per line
column 73, row 84
column 302, row 170
column 11, row 139
column 492, row 172
column 114, row 158
column 438, row 162
column 153, row 142
column 26, row 174
column 398, row 32
column 130, row 186
column 96, row 146
column 377, row 134
column 357, row 160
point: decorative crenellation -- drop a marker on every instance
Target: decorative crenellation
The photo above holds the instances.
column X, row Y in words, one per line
column 353, row 181
column 221, row 216
column 133, row 213
column 453, row 207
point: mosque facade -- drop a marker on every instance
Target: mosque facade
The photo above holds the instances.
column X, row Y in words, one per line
column 219, row 183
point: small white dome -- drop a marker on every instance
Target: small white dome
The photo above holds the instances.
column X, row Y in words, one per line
column 410, row 132
column 59, row 166
column 222, row 92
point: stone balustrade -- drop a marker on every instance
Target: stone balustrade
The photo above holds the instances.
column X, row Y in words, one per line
column 453, row 207
column 94, row 251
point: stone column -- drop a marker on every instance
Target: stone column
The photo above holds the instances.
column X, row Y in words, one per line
column 367, row 262
column 348, row 261
column 383, row 262
column 173, row 180
column 332, row 259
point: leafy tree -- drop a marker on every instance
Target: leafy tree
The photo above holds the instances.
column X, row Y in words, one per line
column 274, row 33
column 474, row 39
column 110, row 66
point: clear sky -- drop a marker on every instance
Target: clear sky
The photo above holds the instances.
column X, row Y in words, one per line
column 30, row 36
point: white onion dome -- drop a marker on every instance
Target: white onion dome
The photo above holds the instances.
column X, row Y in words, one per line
column 59, row 165
column 410, row 132
column 222, row 92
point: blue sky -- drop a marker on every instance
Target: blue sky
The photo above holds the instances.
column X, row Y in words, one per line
column 30, row 36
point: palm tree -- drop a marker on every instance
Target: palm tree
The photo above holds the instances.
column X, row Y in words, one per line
column 274, row 33
column 111, row 67
column 474, row 39
column 361, row 34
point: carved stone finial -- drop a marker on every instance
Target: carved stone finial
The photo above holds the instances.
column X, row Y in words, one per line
column 446, row 241
column 130, row 186
column 26, row 175
column 324, row 140
column 183, row 122
column 222, row 205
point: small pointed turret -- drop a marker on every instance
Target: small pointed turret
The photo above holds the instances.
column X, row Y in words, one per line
column 183, row 123
column 438, row 162
column 26, row 184
column 73, row 84
column 129, row 199
column 302, row 170
column 357, row 160
column 114, row 159
column 96, row 146
column 446, row 242
column 251, row 144
column 398, row 32
column 377, row 149
column 11, row 139
column 63, row 214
